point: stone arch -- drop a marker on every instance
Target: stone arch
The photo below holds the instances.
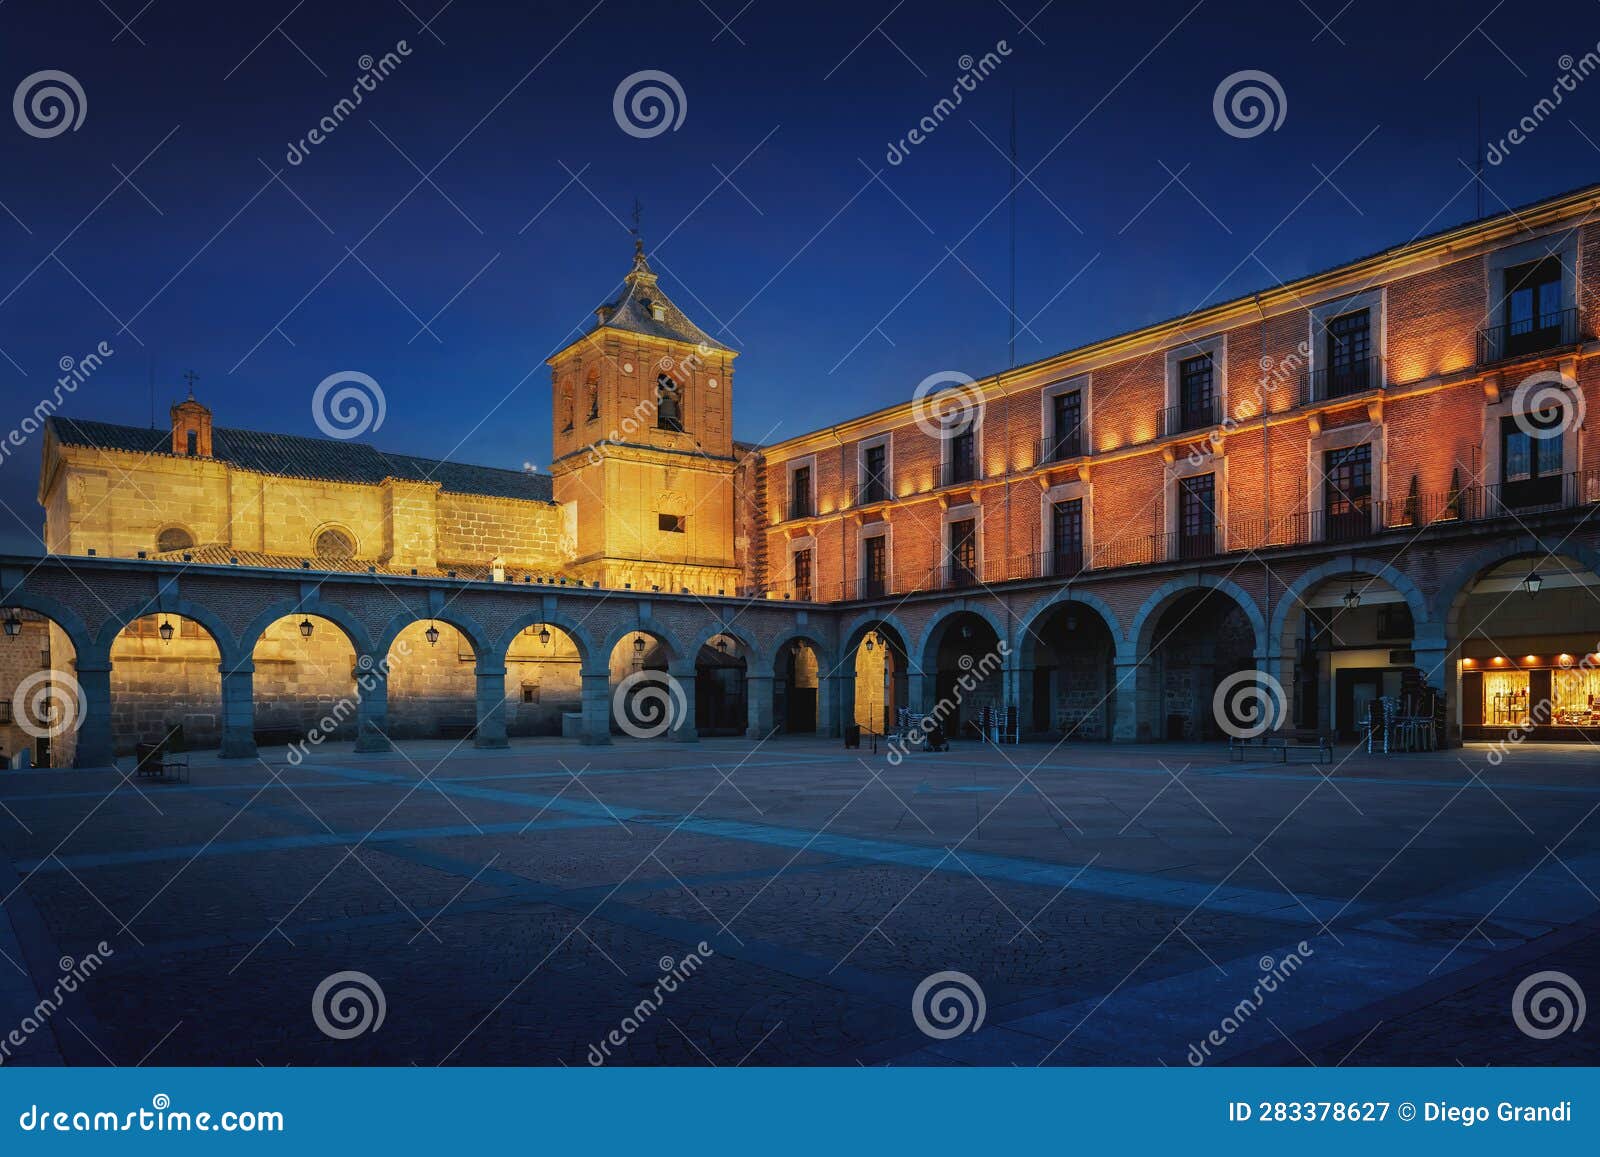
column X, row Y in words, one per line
column 482, row 645
column 1294, row 595
column 857, row 631
column 1035, row 613
column 675, row 650
column 333, row 541
column 174, row 536
column 1144, row 622
column 745, row 638
column 227, row 645
column 86, row 649
column 936, row 626
column 770, row 661
column 1453, row 591
column 572, row 628
column 339, row 616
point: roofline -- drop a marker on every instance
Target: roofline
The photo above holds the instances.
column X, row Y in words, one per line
column 589, row 336
column 1282, row 298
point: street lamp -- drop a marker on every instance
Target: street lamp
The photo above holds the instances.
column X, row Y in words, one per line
column 306, row 627
column 165, row 631
column 1533, row 582
column 431, row 634
column 638, row 644
column 1352, row 598
column 544, row 636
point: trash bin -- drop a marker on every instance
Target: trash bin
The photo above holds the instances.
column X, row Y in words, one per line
column 852, row 735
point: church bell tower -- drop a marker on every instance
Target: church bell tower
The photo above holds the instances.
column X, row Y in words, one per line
column 643, row 445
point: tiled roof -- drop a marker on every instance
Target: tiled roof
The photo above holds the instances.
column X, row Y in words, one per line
column 219, row 554
column 295, row 456
column 633, row 311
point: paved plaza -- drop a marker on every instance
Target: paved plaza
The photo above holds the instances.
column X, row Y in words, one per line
column 1112, row 905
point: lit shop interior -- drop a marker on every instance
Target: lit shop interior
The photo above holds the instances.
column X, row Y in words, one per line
column 1530, row 652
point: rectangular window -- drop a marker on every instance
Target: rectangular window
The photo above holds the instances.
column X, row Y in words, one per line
column 1531, row 460
column 1066, row 411
column 1349, row 350
column 530, row 692
column 875, row 474
column 1196, row 392
column 802, row 575
column 800, row 492
column 1066, row 538
column 1197, row 517
column 874, row 567
column 962, row 464
column 963, row 548
column 1533, row 306
column 670, row 523
column 1347, row 492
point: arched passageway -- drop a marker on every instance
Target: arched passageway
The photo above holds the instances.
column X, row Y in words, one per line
column 880, row 672
column 965, row 661
column 796, row 688
column 166, row 684
column 432, row 682
column 304, row 681
column 44, row 702
column 543, row 682
column 1068, row 679
column 720, row 687
column 1192, row 641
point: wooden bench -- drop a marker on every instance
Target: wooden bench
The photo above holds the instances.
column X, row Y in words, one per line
column 154, row 761
column 1317, row 744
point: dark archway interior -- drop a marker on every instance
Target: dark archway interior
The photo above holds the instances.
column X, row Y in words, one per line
column 795, row 688
column 719, row 687
column 966, row 668
column 1073, row 677
column 1200, row 639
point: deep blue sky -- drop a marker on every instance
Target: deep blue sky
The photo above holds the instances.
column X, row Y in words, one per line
column 801, row 261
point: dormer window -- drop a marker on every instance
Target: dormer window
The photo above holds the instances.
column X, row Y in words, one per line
column 658, row 311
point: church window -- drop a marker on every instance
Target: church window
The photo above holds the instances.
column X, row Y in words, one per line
column 174, row 538
column 334, row 544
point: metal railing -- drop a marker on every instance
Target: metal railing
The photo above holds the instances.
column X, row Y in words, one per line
column 1190, row 416
column 956, row 471
column 1061, row 447
column 1531, row 335
column 1341, row 381
column 872, row 489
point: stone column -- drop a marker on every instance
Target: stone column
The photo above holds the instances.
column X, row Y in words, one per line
column 918, row 687
column 1439, row 671
column 684, row 729
column 836, row 704
column 596, row 708
column 239, row 712
column 758, row 705
column 94, row 744
column 372, row 705
column 1129, row 695
column 491, row 729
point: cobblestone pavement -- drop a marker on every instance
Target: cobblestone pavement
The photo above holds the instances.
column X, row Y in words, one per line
column 732, row 902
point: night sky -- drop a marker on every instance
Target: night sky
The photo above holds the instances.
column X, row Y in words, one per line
column 760, row 210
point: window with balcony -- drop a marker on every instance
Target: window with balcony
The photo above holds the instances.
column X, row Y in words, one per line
column 1197, row 516
column 1531, row 459
column 1196, row 394
column 1533, row 307
column 802, row 575
column 962, row 553
column 1349, row 354
column 875, row 474
column 1347, row 493
column 800, row 492
column 1066, row 538
column 874, row 566
column 961, row 457
column 1066, row 424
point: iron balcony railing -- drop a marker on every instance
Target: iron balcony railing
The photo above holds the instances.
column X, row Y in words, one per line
column 872, row 489
column 1183, row 418
column 1341, row 381
column 1060, row 447
column 956, row 471
column 1529, row 335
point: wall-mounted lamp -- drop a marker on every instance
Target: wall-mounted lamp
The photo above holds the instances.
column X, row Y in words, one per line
column 306, row 627
column 431, row 634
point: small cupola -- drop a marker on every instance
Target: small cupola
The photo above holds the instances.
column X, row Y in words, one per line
column 191, row 428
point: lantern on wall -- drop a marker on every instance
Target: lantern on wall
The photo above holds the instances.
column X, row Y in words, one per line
column 1533, row 582
column 165, row 631
column 544, row 636
column 1352, row 598
column 306, row 627
column 871, row 643
column 431, row 634
column 638, row 644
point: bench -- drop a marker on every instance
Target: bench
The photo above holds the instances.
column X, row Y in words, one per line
column 1300, row 740
column 154, row 761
